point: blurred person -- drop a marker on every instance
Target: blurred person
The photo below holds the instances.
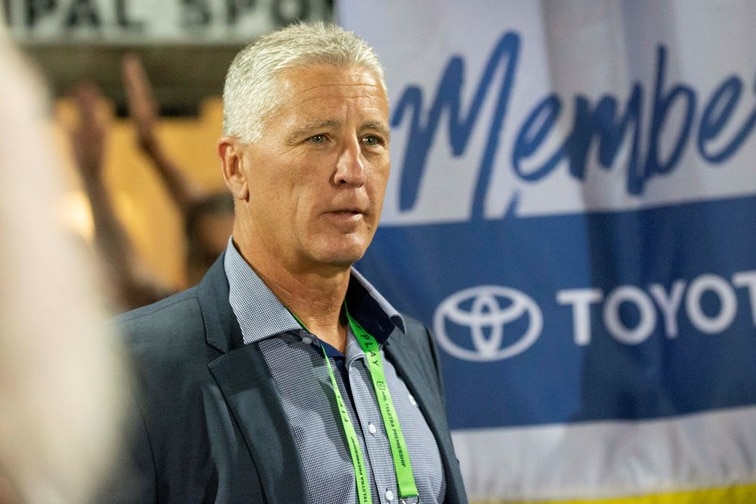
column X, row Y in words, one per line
column 60, row 380
column 207, row 217
column 284, row 376
column 131, row 282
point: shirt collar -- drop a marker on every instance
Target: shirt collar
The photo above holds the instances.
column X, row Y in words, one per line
column 261, row 314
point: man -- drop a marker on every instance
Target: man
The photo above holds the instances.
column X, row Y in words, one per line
column 284, row 377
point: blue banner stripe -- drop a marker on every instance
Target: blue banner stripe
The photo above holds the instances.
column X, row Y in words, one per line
column 666, row 297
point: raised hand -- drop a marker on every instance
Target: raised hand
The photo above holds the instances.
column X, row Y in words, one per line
column 89, row 135
column 143, row 108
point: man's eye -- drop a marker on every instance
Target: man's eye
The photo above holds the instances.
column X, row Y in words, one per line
column 372, row 140
column 317, row 139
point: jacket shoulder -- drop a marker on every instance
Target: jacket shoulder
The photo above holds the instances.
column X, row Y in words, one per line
column 165, row 319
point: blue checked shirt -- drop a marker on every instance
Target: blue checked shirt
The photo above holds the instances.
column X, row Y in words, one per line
column 301, row 377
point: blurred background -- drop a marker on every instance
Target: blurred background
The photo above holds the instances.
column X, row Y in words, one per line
column 184, row 48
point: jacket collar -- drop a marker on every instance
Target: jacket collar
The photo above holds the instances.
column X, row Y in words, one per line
column 261, row 314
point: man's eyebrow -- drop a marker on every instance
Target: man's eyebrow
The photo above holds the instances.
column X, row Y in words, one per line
column 379, row 127
column 310, row 127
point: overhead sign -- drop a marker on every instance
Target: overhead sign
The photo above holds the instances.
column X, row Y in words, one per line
column 153, row 21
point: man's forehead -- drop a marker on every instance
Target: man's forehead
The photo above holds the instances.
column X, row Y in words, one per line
column 315, row 78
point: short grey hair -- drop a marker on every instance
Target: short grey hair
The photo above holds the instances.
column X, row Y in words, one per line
column 252, row 93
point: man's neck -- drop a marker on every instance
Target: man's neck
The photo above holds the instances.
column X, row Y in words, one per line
column 319, row 306
column 316, row 298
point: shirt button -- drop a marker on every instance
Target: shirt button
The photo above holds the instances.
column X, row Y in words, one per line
column 389, row 495
column 372, row 430
column 412, row 400
column 306, row 340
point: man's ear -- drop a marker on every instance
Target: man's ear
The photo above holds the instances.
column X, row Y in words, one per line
column 231, row 153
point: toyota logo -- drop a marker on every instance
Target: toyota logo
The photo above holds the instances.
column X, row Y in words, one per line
column 475, row 324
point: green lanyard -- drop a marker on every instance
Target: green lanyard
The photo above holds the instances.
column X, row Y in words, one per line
column 402, row 466
column 360, row 473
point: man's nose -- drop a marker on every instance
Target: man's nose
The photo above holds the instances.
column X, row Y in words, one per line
column 350, row 167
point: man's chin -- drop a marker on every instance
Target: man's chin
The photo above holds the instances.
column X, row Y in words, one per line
column 343, row 259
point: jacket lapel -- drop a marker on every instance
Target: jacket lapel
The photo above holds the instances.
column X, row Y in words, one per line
column 410, row 367
column 247, row 386
column 244, row 379
column 420, row 376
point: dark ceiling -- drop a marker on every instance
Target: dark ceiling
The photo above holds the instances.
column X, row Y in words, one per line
column 182, row 73
column 182, row 76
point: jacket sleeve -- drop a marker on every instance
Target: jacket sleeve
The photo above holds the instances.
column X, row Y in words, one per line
column 134, row 478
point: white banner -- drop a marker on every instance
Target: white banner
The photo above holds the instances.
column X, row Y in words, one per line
column 571, row 210
column 153, row 21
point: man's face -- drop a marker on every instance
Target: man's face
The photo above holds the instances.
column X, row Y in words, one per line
column 318, row 175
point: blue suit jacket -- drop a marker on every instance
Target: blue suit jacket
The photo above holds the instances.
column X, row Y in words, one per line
column 208, row 425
